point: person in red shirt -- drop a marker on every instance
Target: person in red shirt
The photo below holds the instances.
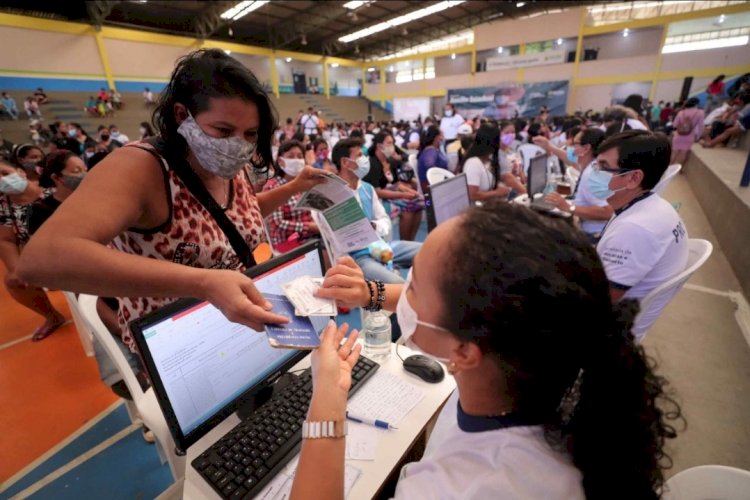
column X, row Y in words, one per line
column 103, row 95
column 666, row 113
column 715, row 91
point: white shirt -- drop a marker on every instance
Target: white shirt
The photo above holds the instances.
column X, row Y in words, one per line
column 121, row 138
column 449, row 126
column 380, row 218
column 414, row 138
column 479, row 174
column 507, row 463
column 641, row 248
column 527, row 152
column 636, row 124
column 584, row 198
column 309, row 124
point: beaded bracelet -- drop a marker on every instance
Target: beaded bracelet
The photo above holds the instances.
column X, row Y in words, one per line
column 377, row 295
column 370, row 303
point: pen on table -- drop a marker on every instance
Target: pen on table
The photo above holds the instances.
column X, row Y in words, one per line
column 370, row 421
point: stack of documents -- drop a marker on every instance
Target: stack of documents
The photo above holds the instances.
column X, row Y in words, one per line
column 300, row 292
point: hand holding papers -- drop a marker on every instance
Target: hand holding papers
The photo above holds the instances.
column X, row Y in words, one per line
column 301, row 292
column 299, row 333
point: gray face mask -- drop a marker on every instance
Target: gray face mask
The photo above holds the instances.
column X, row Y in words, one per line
column 72, row 181
column 222, row 157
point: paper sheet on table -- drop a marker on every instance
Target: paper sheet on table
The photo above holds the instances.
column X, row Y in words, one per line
column 385, row 397
column 350, row 229
column 362, row 441
column 301, row 292
column 281, row 486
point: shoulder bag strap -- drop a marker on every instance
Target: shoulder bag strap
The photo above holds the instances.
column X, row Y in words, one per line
column 197, row 189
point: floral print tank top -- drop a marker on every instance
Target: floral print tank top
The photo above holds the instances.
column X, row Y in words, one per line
column 190, row 237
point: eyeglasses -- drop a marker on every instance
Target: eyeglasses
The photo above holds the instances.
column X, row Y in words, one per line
column 599, row 168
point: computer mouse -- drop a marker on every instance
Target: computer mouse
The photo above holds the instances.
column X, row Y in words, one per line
column 425, row 368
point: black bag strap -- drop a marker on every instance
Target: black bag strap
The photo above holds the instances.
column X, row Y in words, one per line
column 186, row 174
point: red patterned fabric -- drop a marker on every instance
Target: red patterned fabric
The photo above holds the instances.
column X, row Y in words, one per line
column 287, row 220
column 191, row 237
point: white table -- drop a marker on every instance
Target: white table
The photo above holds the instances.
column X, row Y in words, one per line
column 392, row 446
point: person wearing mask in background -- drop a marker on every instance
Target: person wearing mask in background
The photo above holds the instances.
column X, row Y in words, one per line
column 117, row 136
column 17, row 194
column 414, row 136
column 688, row 127
column 147, row 238
column 85, row 143
column 320, row 149
column 656, row 115
column 480, row 166
column 396, row 194
column 430, row 154
column 289, row 130
column 714, row 93
column 506, row 166
column 30, row 159
column 40, row 96
column 32, row 109
column 116, row 99
column 6, row 147
column 287, row 221
column 107, row 142
column 146, row 131
column 353, row 166
column 10, row 105
column 666, row 114
column 593, row 212
column 62, row 171
column 148, row 97
column 66, row 138
column 530, row 149
column 455, row 151
column 645, row 243
column 309, row 123
column 449, row 123
column 546, row 406
column 735, row 121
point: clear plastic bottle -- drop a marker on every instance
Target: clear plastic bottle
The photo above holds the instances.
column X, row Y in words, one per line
column 377, row 333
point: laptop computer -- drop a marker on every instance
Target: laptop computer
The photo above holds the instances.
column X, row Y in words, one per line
column 537, row 183
column 204, row 367
column 446, row 199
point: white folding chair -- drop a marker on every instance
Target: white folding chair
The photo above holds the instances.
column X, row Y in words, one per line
column 84, row 331
column 437, row 174
column 667, row 177
column 145, row 402
column 698, row 253
column 716, row 482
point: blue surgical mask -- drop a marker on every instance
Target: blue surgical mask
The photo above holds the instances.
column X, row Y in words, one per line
column 72, row 132
column 448, row 113
column 571, row 150
column 363, row 167
column 599, row 184
column 13, row 184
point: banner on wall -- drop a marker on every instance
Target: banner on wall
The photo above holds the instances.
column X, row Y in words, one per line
column 408, row 109
column 508, row 100
column 526, row 60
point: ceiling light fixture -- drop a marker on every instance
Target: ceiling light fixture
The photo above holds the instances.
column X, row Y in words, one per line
column 242, row 9
column 453, row 56
column 334, row 65
column 706, row 44
column 520, row 4
column 499, row 50
column 288, row 59
column 559, row 41
column 230, row 31
column 370, row 69
column 303, row 41
column 227, row 52
column 625, row 32
column 721, row 19
column 390, row 69
column 355, row 4
column 398, row 21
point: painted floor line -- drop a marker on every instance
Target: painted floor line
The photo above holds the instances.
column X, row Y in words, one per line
column 65, row 442
column 52, row 476
column 741, row 315
column 14, row 342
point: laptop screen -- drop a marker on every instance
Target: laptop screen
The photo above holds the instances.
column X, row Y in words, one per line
column 537, row 175
column 203, row 362
column 449, row 198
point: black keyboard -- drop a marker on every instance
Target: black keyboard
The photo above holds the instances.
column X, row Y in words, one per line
column 242, row 462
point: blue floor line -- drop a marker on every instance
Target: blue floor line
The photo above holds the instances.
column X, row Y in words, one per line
column 129, row 469
column 107, row 427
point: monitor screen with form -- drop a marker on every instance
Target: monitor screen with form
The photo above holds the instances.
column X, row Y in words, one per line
column 449, row 198
column 205, row 362
column 537, row 175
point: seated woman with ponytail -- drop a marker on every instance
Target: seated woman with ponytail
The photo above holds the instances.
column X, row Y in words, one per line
column 547, row 406
column 63, row 171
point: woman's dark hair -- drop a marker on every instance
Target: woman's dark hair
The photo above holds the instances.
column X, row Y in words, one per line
column 592, row 136
column 642, row 150
column 718, row 79
column 149, row 130
column 299, row 137
column 22, row 151
column 588, row 382
column 486, row 142
column 427, row 137
column 54, row 163
column 343, row 149
column 288, row 121
column 319, row 141
column 634, row 102
column 283, row 149
column 534, row 130
column 210, row 73
column 378, row 138
column 692, row 102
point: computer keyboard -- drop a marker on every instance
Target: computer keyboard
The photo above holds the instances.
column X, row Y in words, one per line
column 242, row 462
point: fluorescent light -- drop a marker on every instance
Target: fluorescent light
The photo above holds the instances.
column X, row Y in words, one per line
column 288, row 59
column 354, row 4
column 242, row 9
column 520, row 4
column 499, row 50
column 334, row 65
column 370, row 69
column 559, row 41
column 398, row 21
column 625, row 32
column 390, row 69
column 227, row 52
column 453, row 56
column 722, row 18
column 717, row 43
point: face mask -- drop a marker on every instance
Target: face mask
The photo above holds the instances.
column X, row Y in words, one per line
column 388, row 151
column 448, row 113
column 88, row 154
column 72, row 181
column 571, row 150
column 323, row 155
column 222, row 157
column 599, row 184
column 30, row 167
column 292, row 166
column 507, row 139
column 105, row 137
column 363, row 166
column 408, row 321
column 13, row 184
column 72, row 132
column 115, row 134
column 142, row 130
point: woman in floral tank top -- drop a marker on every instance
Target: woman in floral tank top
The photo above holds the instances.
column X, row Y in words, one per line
column 134, row 230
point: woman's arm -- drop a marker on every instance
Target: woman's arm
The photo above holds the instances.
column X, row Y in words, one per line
column 8, row 250
column 561, row 153
column 126, row 190
column 308, row 178
column 345, row 283
column 511, row 181
column 476, row 195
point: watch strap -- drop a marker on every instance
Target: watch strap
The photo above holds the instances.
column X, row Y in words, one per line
column 324, row 429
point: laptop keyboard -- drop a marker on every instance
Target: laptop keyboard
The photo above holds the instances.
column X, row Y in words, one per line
column 242, row 462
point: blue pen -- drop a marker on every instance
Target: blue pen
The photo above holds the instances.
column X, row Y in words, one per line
column 370, row 421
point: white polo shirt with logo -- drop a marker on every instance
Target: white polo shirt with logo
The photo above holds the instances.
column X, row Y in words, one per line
column 642, row 247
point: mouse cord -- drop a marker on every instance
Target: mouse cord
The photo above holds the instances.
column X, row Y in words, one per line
column 398, row 354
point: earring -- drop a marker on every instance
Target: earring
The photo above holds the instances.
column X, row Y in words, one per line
column 452, row 368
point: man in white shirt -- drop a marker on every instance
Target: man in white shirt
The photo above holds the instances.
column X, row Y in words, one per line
column 309, row 123
column 449, row 123
column 352, row 165
column 645, row 243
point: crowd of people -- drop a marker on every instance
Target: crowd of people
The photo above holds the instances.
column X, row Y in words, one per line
column 104, row 103
column 141, row 229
